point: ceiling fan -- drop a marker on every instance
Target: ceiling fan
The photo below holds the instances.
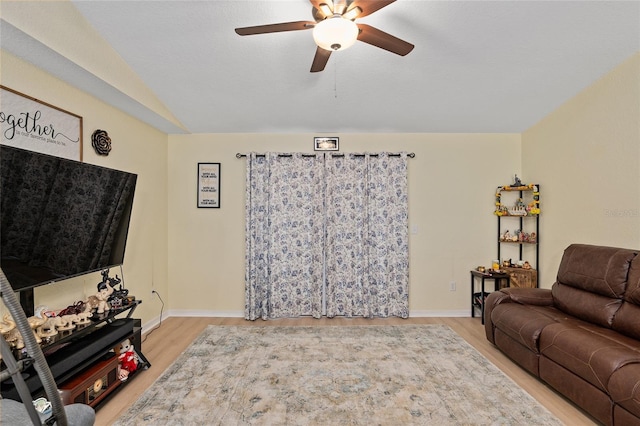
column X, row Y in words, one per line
column 334, row 28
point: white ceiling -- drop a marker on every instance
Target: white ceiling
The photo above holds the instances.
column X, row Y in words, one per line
column 478, row 66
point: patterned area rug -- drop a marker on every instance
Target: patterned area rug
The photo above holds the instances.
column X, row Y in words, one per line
column 355, row 375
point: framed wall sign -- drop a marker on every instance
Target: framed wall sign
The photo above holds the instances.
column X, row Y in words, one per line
column 325, row 144
column 209, row 185
column 29, row 123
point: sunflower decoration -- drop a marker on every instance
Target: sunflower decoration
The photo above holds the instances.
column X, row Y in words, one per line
column 532, row 209
column 101, row 142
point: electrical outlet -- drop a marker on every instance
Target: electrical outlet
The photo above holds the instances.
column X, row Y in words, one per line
column 452, row 286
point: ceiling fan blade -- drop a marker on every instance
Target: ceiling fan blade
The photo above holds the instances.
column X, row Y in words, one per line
column 369, row 6
column 375, row 37
column 276, row 28
column 320, row 60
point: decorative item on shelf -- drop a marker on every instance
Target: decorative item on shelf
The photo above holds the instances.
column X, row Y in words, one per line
column 519, row 209
column 38, row 320
column 9, row 331
column 101, row 142
column 506, row 263
column 119, row 297
column 481, row 269
column 495, row 265
column 533, row 208
column 101, row 300
column 74, row 309
column 127, row 359
column 526, row 265
column 518, row 236
column 53, row 324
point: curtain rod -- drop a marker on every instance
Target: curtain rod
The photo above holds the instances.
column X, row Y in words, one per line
column 410, row 155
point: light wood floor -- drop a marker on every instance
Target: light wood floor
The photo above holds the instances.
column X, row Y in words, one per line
column 166, row 343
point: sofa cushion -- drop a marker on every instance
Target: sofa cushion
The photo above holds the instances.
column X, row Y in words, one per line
column 624, row 388
column 624, row 417
column 632, row 295
column 627, row 320
column 596, row 269
column 591, row 352
column 522, row 323
column 587, row 306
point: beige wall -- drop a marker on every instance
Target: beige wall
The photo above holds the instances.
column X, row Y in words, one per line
column 586, row 156
column 137, row 148
column 452, row 180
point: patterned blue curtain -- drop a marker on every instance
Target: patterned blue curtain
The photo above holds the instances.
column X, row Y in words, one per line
column 342, row 216
column 284, row 236
column 367, row 250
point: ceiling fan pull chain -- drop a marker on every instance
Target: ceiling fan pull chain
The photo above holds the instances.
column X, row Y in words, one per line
column 335, row 79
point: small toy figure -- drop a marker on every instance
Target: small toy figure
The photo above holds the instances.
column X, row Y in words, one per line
column 99, row 301
column 128, row 360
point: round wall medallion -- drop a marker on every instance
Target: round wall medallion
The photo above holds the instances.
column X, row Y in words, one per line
column 101, row 142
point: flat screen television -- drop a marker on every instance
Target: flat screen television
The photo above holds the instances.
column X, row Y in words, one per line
column 60, row 218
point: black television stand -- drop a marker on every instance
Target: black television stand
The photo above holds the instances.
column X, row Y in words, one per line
column 83, row 361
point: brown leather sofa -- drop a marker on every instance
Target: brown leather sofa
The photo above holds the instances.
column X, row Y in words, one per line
column 582, row 337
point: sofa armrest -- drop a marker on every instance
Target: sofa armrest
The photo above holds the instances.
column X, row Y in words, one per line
column 494, row 299
column 530, row 296
column 524, row 296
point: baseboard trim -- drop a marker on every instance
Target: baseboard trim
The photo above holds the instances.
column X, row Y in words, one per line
column 441, row 314
column 148, row 326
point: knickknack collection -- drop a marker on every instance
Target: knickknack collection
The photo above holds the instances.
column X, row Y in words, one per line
column 90, row 349
column 517, row 208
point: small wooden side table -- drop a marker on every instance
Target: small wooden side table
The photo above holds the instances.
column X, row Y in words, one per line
column 478, row 299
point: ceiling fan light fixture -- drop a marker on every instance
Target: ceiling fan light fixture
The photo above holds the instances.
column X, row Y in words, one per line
column 352, row 13
column 335, row 33
column 325, row 9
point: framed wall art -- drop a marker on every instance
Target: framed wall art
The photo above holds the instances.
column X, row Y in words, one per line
column 209, row 185
column 325, row 144
column 29, row 123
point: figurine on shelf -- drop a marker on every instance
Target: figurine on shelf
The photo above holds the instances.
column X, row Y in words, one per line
column 10, row 333
column 517, row 182
column 127, row 360
column 119, row 297
column 52, row 323
column 99, row 301
column 519, row 208
column 533, row 237
column 526, row 265
column 506, row 236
